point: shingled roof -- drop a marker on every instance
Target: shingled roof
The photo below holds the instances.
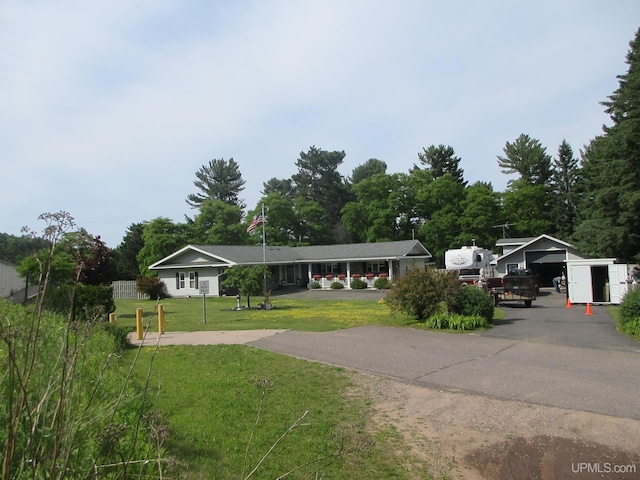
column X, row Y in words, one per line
column 250, row 255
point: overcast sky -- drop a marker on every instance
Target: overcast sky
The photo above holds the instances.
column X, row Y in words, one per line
column 107, row 109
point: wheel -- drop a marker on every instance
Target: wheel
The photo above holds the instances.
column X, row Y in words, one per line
column 527, row 303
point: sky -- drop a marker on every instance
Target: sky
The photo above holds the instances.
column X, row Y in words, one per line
column 107, row 109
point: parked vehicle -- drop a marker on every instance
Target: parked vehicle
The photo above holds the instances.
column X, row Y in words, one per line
column 517, row 285
column 471, row 263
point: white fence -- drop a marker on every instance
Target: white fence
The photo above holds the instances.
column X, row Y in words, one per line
column 127, row 290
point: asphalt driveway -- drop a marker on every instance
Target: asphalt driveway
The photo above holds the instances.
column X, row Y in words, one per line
column 548, row 355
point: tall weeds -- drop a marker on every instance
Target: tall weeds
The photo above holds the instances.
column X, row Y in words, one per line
column 67, row 405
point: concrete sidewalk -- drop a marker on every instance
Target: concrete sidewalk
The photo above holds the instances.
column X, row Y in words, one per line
column 229, row 337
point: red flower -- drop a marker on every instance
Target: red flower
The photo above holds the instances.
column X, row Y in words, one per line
column 370, row 275
column 356, row 275
column 329, row 276
column 342, row 276
column 383, row 275
column 317, row 277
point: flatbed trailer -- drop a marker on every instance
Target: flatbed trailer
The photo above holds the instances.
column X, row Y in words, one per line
column 517, row 286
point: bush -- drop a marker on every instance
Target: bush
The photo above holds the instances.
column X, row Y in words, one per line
column 152, row 286
column 92, row 301
column 629, row 318
column 421, row 293
column 382, row 283
column 315, row 285
column 358, row 284
column 473, row 301
column 337, row 285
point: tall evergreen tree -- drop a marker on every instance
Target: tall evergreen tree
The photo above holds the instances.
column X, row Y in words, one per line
column 528, row 158
column 218, row 180
column 318, row 180
column 564, row 194
column 442, row 159
column 610, row 211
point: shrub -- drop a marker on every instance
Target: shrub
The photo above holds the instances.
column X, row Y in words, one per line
column 472, row 301
column 382, row 283
column 91, row 301
column 315, row 285
column 467, row 322
column 423, row 292
column 337, row 285
column 358, row 284
column 152, row 286
column 629, row 318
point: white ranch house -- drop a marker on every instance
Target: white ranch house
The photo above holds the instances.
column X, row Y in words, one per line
column 183, row 270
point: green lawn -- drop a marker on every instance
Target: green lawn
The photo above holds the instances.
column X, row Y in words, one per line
column 227, row 405
column 314, row 315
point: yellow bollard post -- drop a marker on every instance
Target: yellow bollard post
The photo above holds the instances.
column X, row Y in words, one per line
column 139, row 329
column 161, row 319
column 113, row 318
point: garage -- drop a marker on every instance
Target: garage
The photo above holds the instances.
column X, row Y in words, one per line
column 546, row 264
column 545, row 255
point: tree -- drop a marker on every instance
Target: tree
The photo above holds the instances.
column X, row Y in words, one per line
column 480, row 213
column 161, row 238
column 218, row 223
column 281, row 220
column 526, row 206
column 249, row 280
column 439, row 206
column 373, row 215
column 125, row 254
column 219, row 180
column 564, row 195
column 609, row 211
column 282, row 186
column 367, row 170
column 318, row 180
column 528, row 158
column 442, row 159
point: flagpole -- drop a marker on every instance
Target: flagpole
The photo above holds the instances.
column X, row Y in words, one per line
column 264, row 248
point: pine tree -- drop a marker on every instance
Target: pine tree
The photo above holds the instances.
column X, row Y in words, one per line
column 219, row 180
column 610, row 209
column 564, row 181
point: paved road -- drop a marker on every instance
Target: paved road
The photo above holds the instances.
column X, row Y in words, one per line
column 548, row 354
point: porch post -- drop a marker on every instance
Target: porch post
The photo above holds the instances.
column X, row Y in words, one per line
column 390, row 262
column 348, row 274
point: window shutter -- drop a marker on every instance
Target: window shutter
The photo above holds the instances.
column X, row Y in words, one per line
column 177, row 281
column 197, row 286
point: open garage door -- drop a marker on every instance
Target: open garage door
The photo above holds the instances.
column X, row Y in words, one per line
column 547, row 264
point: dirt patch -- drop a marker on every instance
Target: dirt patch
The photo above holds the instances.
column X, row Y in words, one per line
column 472, row 437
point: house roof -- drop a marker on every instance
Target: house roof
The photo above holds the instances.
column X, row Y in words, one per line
column 223, row 255
column 524, row 243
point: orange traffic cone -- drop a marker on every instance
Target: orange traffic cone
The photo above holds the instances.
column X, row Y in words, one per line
column 588, row 312
column 569, row 303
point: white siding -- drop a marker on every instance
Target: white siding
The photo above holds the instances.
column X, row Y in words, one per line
column 189, row 290
column 10, row 281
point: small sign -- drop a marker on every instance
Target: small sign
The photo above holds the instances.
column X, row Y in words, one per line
column 203, row 285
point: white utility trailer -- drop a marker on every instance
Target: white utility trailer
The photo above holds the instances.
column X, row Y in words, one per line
column 597, row 280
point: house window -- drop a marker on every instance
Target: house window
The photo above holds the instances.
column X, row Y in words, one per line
column 181, row 283
column 511, row 267
column 193, row 279
column 330, row 268
column 376, row 267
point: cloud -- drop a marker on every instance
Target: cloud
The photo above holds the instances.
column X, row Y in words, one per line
column 108, row 109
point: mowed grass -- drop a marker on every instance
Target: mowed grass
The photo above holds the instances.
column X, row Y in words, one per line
column 313, row 315
column 228, row 405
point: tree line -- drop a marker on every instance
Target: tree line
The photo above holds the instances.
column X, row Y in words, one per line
column 591, row 199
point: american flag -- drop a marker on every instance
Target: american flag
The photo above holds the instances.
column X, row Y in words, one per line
column 257, row 220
